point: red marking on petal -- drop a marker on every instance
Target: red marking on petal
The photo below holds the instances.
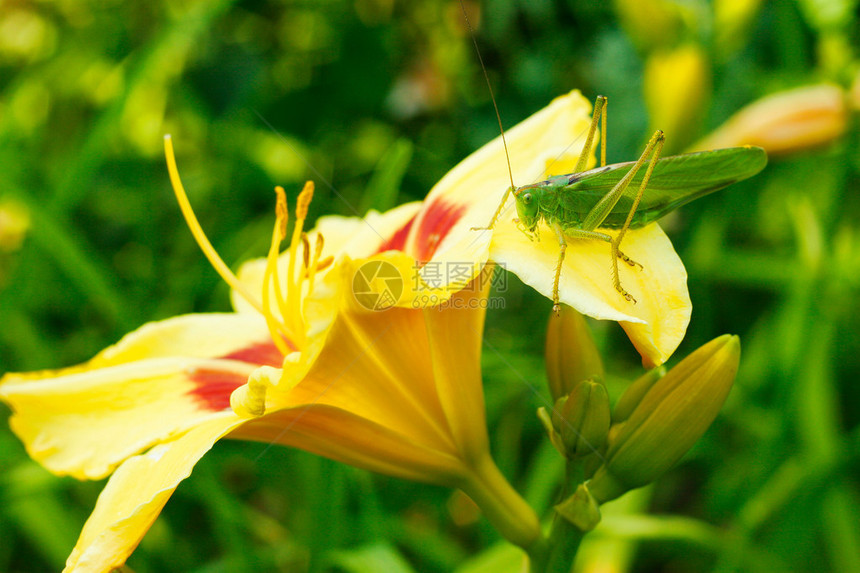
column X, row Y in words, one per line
column 439, row 218
column 264, row 354
column 213, row 387
column 397, row 241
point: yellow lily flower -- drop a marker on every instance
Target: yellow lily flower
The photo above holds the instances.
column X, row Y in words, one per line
column 305, row 364
column 549, row 143
column 308, row 364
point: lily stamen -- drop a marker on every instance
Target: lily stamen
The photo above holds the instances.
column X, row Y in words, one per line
column 271, row 275
column 293, row 316
column 306, row 253
column 325, row 263
column 313, row 267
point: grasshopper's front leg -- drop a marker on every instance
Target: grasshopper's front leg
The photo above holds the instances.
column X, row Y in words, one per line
column 498, row 212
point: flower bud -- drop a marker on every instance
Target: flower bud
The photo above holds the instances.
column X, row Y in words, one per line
column 651, row 23
column 634, row 394
column 580, row 421
column 14, row 224
column 571, row 355
column 785, row 122
column 671, row 416
column 732, row 22
column 676, row 86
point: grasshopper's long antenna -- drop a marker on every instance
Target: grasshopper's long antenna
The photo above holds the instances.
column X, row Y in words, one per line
column 498, row 116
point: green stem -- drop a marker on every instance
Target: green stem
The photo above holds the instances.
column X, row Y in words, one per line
column 564, row 540
column 564, row 536
column 509, row 513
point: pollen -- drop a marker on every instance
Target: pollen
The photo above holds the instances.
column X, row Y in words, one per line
column 304, row 200
column 281, row 211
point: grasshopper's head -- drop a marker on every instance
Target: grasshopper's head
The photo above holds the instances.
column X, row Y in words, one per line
column 527, row 208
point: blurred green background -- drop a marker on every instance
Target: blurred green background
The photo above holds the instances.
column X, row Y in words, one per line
column 377, row 100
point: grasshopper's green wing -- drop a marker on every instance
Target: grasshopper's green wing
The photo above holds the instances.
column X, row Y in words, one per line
column 676, row 180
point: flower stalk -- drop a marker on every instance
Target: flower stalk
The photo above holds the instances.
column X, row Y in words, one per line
column 509, row 513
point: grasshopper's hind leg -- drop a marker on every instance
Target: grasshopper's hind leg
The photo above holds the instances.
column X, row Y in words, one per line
column 598, row 214
column 628, row 260
column 654, row 147
column 616, row 279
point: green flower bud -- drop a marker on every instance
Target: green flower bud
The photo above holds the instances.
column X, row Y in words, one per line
column 733, row 20
column 668, row 420
column 579, row 423
column 571, row 355
column 651, row 23
column 583, row 419
column 554, row 436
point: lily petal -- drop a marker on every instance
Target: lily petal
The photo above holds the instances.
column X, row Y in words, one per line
column 371, row 369
column 456, row 336
column 210, row 335
column 396, row 391
column 656, row 323
column 136, row 493
column 84, row 421
column 342, row 435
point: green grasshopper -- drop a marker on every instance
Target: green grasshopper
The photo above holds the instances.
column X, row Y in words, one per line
column 620, row 196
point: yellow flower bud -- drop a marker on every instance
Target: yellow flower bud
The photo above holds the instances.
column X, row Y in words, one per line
column 651, row 23
column 571, row 355
column 14, row 224
column 677, row 85
column 732, row 21
column 668, row 420
column 785, row 122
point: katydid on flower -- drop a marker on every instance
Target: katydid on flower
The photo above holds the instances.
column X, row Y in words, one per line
column 622, row 196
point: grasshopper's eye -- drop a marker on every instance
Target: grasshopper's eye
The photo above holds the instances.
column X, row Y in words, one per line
column 527, row 198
